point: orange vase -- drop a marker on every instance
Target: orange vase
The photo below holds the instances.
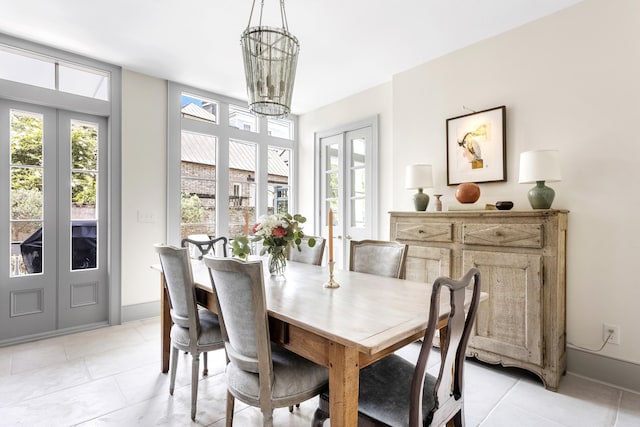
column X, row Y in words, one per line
column 468, row 192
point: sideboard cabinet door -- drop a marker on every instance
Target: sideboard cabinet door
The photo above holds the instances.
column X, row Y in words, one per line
column 521, row 256
column 509, row 322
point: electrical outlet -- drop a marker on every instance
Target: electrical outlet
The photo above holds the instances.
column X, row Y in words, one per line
column 614, row 330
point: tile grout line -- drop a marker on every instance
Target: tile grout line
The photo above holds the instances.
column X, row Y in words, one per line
column 504, row 396
column 620, row 394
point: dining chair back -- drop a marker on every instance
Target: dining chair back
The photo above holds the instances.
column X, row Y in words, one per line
column 379, row 257
column 194, row 330
column 259, row 373
column 201, row 244
column 395, row 392
column 306, row 254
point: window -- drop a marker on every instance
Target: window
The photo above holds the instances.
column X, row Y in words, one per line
column 198, row 108
column 242, row 118
column 39, row 70
column 281, row 128
column 225, row 167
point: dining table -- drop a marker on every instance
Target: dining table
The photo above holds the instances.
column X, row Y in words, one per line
column 344, row 329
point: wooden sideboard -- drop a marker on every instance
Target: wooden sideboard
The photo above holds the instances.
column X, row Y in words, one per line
column 521, row 255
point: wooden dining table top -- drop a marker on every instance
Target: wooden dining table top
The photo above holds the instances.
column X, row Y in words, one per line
column 367, row 312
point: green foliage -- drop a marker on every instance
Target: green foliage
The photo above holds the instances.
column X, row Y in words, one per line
column 241, row 247
column 84, row 157
column 26, row 204
column 280, row 230
column 191, row 208
column 26, row 149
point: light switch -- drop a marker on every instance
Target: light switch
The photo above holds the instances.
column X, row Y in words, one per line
column 146, row 216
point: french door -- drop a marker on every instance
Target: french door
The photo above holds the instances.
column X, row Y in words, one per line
column 53, row 255
column 348, row 162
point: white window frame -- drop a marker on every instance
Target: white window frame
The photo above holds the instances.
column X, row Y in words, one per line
column 224, row 133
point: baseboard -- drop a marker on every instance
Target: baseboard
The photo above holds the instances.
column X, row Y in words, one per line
column 143, row 310
column 619, row 373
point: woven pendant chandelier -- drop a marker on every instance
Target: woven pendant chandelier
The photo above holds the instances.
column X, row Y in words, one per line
column 270, row 58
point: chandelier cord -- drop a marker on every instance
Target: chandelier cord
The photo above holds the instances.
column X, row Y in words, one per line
column 251, row 13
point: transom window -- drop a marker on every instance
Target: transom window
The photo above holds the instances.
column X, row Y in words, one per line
column 39, row 70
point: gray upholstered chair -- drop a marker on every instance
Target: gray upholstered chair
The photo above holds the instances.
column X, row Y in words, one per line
column 395, row 392
column 200, row 245
column 194, row 330
column 307, row 254
column 378, row 257
column 258, row 373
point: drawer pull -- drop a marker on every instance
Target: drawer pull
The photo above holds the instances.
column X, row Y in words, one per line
column 499, row 234
column 421, row 231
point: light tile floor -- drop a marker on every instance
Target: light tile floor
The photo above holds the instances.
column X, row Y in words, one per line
column 112, row 377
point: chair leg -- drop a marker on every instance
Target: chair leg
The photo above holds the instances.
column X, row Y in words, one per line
column 205, row 371
column 457, row 420
column 267, row 418
column 195, row 370
column 230, row 405
column 322, row 413
column 291, row 407
column 319, row 417
column 174, row 367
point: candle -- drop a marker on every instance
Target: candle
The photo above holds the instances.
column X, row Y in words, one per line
column 246, row 223
column 330, row 235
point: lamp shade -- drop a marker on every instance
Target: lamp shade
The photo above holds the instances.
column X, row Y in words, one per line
column 540, row 165
column 418, row 176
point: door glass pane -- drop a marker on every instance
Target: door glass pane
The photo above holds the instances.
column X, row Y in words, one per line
column 198, row 184
column 279, row 167
column 242, row 187
column 84, row 195
column 198, row 108
column 358, row 152
column 26, row 197
column 358, row 182
column 358, row 213
column 332, row 184
column 26, row 248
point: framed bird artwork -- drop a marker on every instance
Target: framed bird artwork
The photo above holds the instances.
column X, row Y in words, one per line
column 476, row 147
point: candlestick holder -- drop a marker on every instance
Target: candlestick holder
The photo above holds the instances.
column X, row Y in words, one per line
column 331, row 283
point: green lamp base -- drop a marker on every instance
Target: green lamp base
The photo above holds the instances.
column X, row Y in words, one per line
column 541, row 196
column 420, row 200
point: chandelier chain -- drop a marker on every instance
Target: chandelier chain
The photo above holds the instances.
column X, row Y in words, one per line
column 283, row 14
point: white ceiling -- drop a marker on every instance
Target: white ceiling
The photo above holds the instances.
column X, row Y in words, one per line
column 346, row 45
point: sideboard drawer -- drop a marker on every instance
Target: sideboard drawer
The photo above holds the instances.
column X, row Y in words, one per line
column 425, row 232
column 506, row 235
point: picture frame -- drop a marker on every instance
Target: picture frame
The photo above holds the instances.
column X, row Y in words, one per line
column 477, row 147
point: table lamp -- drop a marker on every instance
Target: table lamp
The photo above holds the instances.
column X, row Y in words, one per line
column 419, row 177
column 539, row 166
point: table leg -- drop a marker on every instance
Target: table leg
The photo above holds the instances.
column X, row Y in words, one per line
column 343, row 382
column 165, row 326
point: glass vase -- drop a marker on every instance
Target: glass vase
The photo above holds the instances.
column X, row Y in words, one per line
column 278, row 262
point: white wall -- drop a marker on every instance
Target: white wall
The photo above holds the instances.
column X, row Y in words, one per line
column 144, row 141
column 375, row 101
column 569, row 81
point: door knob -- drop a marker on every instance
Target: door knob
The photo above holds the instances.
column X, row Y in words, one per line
column 348, row 237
